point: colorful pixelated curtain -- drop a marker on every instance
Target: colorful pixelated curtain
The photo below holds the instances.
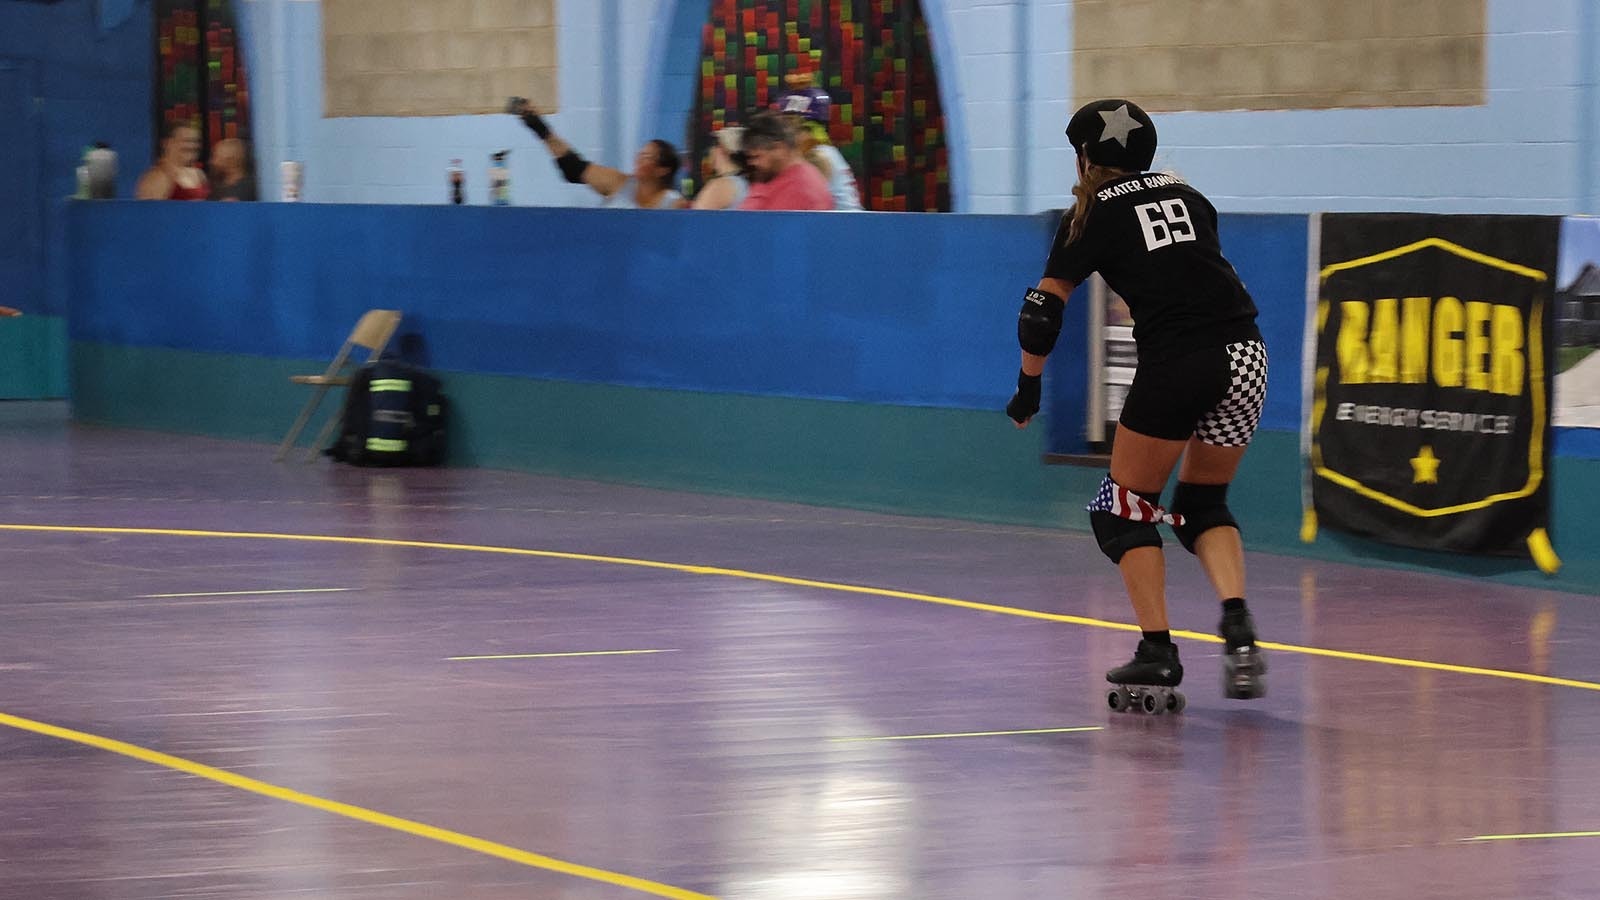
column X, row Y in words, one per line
column 873, row 58
column 200, row 71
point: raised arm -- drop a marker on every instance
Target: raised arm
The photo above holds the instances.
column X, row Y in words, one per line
column 577, row 170
column 717, row 194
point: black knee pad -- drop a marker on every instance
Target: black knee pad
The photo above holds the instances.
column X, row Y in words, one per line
column 1118, row 535
column 1203, row 507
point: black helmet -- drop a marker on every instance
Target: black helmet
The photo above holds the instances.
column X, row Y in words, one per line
column 1114, row 133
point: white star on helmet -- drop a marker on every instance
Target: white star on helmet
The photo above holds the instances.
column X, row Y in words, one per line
column 1118, row 124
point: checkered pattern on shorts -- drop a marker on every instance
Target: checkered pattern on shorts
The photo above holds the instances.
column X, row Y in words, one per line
column 1233, row 421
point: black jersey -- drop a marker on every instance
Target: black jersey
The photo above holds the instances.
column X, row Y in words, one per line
column 1153, row 238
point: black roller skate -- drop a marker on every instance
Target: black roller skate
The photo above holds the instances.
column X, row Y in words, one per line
column 1147, row 684
column 1244, row 668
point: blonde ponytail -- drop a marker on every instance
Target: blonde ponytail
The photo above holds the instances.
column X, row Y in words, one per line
column 1083, row 192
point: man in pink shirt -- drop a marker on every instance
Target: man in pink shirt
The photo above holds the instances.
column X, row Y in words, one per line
column 780, row 176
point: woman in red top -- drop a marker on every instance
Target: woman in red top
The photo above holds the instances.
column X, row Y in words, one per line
column 176, row 175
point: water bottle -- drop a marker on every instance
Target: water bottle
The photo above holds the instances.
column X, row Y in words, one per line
column 499, row 179
column 458, row 182
column 100, row 166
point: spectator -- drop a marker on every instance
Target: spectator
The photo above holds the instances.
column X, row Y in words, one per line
column 649, row 187
column 230, row 171
column 175, row 175
column 808, row 109
column 728, row 184
column 783, row 179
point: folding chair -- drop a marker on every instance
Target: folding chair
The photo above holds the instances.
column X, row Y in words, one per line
column 372, row 332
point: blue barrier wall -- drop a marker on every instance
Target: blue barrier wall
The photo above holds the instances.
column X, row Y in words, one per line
column 914, row 310
column 905, row 309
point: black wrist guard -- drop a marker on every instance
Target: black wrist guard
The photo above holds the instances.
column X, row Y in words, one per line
column 533, row 121
column 572, row 165
column 1039, row 321
column 1024, row 404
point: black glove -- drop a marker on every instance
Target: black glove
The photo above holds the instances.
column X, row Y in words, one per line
column 1024, row 403
column 518, row 106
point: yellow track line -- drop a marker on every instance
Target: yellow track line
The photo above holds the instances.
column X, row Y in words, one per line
column 962, row 734
column 555, row 655
column 245, row 593
column 360, row 814
column 808, row 583
column 1482, row 838
column 544, row 862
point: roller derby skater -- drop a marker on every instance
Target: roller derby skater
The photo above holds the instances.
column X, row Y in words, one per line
column 1195, row 400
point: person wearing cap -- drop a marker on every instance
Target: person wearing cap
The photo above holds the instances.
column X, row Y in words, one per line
column 780, row 176
column 727, row 186
column 1196, row 396
column 808, row 109
column 648, row 186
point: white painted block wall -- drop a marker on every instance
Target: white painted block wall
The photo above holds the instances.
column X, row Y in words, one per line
column 1005, row 69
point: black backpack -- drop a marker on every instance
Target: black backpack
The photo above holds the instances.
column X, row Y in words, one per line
column 394, row 415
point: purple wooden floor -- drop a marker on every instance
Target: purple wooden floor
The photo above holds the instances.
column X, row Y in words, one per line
column 727, row 766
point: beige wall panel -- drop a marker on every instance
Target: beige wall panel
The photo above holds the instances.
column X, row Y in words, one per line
column 436, row 57
column 443, row 15
column 1281, row 54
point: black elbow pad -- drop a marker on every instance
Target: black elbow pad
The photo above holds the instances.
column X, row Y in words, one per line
column 1039, row 321
column 572, row 165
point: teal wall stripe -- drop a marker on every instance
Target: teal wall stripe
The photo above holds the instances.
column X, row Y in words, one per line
column 33, row 358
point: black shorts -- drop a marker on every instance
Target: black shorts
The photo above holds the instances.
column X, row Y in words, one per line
column 1215, row 394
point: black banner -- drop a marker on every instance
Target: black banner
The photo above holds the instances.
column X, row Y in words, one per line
column 1430, row 417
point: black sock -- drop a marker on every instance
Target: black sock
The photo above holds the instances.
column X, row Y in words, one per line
column 1158, row 637
column 1233, row 605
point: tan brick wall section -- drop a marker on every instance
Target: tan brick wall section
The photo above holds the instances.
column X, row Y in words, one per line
column 1280, row 54
column 436, row 57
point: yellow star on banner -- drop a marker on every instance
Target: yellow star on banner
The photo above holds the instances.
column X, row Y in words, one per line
column 1425, row 467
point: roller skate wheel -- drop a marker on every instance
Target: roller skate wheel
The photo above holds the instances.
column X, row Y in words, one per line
column 1114, row 700
column 1243, row 674
column 1244, row 686
column 1246, row 692
column 1151, row 704
column 1176, row 702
